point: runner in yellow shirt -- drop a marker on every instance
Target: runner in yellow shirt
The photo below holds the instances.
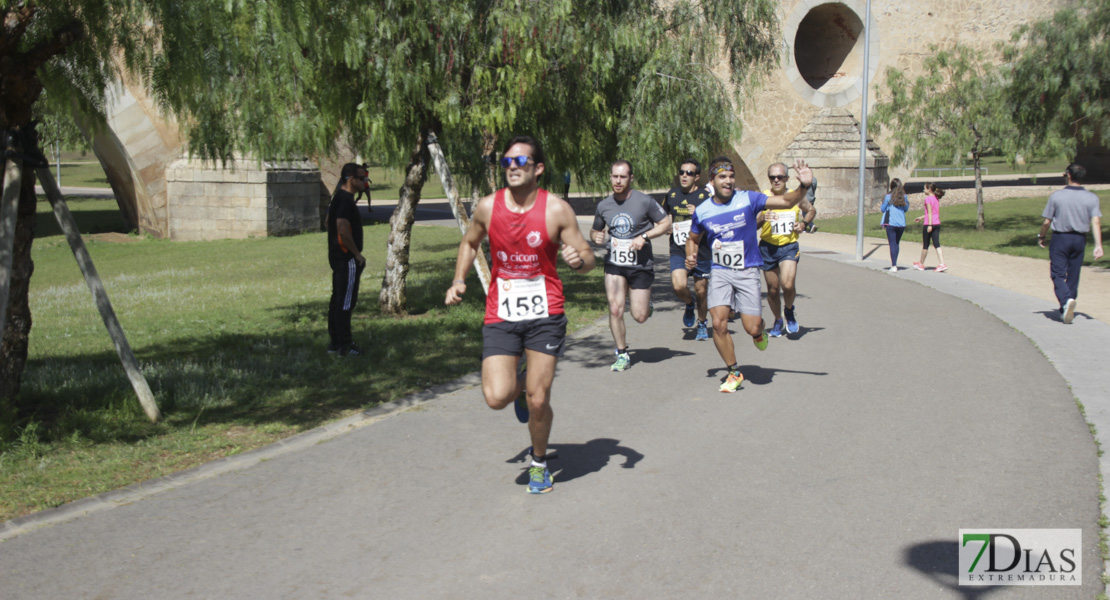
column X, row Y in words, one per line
column 778, row 243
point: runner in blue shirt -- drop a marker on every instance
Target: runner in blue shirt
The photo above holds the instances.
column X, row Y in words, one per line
column 729, row 223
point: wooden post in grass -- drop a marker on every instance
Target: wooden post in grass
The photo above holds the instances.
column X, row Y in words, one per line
column 100, row 295
column 457, row 207
column 9, row 208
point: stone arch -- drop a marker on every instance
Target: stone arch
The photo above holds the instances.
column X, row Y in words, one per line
column 825, row 47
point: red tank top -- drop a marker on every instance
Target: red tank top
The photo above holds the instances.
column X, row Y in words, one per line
column 520, row 248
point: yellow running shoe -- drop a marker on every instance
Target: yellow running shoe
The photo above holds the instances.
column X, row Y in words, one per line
column 735, row 378
column 761, row 341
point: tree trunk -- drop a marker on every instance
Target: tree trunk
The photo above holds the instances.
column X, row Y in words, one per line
column 489, row 149
column 100, row 296
column 980, row 222
column 17, row 329
column 457, row 208
column 391, row 301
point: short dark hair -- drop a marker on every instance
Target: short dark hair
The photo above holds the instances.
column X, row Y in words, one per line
column 621, row 161
column 1076, row 172
column 350, row 170
column 691, row 161
column 537, row 148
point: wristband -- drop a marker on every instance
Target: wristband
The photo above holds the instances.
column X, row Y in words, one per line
column 462, row 281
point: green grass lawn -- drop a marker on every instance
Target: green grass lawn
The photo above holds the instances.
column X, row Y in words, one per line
column 231, row 336
column 996, row 165
column 1012, row 227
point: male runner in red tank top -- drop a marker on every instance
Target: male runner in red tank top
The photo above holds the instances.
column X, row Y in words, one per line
column 524, row 305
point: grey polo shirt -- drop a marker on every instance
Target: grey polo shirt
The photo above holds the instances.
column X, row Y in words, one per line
column 1071, row 209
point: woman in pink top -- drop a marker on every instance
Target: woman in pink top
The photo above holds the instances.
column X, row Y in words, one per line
column 931, row 228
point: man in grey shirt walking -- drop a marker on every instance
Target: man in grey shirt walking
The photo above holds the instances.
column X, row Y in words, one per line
column 1071, row 212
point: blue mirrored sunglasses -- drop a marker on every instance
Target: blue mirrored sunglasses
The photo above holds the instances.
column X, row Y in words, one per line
column 507, row 161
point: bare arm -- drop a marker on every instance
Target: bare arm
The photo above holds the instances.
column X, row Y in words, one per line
column 576, row 251
column 1096, row 228
column 661, row 228
column 347, row 240
column 692, row 242
column 809, row 213
column 468, row 249
column 1044, row 231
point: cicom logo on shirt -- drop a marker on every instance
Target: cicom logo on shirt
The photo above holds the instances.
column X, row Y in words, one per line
column 501, row 254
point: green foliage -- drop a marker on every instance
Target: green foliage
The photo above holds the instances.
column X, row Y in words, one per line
column 1061, row 75
column 592, row 79
column 957, row 107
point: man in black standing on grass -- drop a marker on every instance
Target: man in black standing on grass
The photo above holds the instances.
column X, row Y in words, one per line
column 345, row 257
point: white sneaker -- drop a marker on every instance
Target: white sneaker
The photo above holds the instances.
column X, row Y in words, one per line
column 893, row 269
column 1069, row 310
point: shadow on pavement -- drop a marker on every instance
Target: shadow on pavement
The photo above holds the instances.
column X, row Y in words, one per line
column 580, row 459
column 758, row 375
column 939, row 561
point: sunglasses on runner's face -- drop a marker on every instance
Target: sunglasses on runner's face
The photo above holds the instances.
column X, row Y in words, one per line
column 778, row 177
column 682, row 172
column 507, row 161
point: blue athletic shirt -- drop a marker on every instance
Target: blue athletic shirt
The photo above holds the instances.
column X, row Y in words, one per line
column 732, row 222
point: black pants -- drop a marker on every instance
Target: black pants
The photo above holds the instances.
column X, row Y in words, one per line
column 345, row 275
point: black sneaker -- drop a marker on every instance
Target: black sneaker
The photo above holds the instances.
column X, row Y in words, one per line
column 350, row 350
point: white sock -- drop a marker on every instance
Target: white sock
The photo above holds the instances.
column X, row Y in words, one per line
column 539, row 464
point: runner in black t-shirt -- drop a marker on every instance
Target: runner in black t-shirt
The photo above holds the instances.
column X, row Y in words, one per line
column 680, row 203
column 345, row 257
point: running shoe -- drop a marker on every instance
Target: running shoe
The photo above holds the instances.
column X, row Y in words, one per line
column 539, row 480
column 703, row 332
column 776, row 330
column 761, row 341
column 791, row 322
column 623, row 362
column 733, row 382
column 350, row 350
column 1069, row 310
column 919, row 266
column 520, row 405
column 942, row 267
column 894, row 269
column 688, row 316
column 333, row 349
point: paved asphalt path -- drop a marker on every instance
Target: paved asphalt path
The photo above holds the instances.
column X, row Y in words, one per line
column 843, row 469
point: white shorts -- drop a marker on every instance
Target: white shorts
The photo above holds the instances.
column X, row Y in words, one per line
column 739, row 289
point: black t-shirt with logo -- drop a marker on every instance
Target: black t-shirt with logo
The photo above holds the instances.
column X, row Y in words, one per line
column 343, row 207
column 680, row 206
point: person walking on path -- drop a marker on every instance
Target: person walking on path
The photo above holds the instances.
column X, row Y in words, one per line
column 344, row 223
column 1071, row 213
column 680, row 203
column 894, row 219
column 632, row 219
column 778, row 246
column 729, row 224
column 930, row 229
column 524, row 305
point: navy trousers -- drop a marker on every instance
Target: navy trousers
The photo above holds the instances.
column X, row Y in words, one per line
column 1065, row 252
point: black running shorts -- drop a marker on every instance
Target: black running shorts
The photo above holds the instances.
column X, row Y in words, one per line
column 547, row 335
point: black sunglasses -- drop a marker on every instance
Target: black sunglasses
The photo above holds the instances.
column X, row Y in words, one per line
column 682, row 172
column 778, row 177
column 507, row 161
